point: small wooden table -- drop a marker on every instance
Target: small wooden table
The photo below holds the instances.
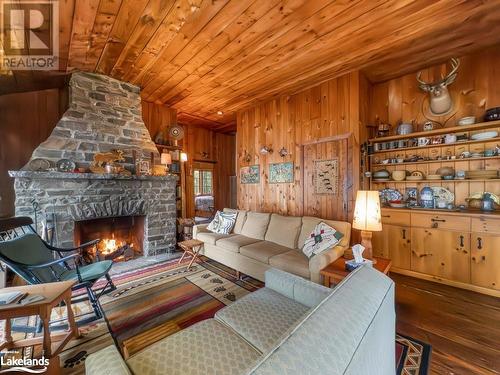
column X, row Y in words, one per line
column 191, row 247
column 335, row 271
column 54, row 294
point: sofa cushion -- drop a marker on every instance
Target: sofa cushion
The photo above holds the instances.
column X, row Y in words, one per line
column 263, row 250
column 309, row 223
column 234, row 242
column 240, row 219
column 293, row 261
column 256, row 225
column 208, row 347
column 284, row 230
column 262, row 317
column 210, row 237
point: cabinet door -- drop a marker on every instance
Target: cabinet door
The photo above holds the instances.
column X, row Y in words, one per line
column 399, row 246
column 393, row 242
column 485, row 260
column 441, row 253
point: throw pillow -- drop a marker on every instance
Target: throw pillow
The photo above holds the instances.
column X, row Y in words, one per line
column 227, row 220
column 323, row 237
column 214, row 224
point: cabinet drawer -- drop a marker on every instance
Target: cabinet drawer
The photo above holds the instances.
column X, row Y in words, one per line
column 486, row 225
column 397, row 218
column 456, row 223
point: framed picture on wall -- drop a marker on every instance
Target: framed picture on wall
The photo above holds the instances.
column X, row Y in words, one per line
column 281, row 173
column 326, row 176
column 250, row 174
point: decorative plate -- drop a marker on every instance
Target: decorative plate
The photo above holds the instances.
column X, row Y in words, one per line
column 65, row 165
column 484, row 135
column 39, row 165
column 441, row 193
column 387, row 195
column 176, row 132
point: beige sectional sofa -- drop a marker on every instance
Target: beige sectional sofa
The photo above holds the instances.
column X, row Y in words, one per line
column 292, row 327
column 260, row 241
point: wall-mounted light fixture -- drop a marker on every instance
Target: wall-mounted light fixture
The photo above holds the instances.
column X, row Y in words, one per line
column 283, row 152
column 266, row 150
column 183, row 157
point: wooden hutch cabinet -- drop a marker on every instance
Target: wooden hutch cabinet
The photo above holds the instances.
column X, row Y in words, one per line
column 458, row 248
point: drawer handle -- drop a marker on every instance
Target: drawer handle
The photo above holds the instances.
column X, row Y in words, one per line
column 461, row 241
column 386, row 216
column 404, row 234
column 479, row 243
column 441, row 220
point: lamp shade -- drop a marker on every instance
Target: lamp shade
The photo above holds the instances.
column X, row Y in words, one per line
column 367, row 211
column 166, row 158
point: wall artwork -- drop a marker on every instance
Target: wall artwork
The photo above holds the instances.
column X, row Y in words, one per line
column 326, row 176
column 281, row 173
column 250, row 174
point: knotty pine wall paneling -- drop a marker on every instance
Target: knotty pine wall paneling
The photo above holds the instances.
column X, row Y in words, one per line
column 290, row 121
column 158, row 117
column 26, row 119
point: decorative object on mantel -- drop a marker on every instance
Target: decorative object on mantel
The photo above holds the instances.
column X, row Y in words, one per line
column 326, row 176
column 367, row 218
column 281, row 173
column 250, row 174
column 283, row 152
column 440, row 100
column 166, row 159
column 65, row 165
column 106, row 158
column 266, row 150
column 39, row 165
column 143, row 167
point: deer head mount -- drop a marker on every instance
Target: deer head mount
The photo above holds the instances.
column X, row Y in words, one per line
column 439, row 96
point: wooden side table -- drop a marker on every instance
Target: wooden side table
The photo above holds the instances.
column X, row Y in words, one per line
column 54, row 294
column 335, row 272
column 191, row 247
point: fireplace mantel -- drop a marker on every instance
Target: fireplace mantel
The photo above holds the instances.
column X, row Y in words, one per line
column 87, row 176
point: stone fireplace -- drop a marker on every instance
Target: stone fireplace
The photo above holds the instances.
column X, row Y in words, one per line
column 104, row 114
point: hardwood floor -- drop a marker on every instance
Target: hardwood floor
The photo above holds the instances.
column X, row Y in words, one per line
column 463, row 327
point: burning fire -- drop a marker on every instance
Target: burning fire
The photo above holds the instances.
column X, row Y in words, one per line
column 110, row 245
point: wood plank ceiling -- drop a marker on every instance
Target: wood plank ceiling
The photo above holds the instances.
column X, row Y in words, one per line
column 206, row 56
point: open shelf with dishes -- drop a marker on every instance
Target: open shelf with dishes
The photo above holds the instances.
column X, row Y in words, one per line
column 457, row 164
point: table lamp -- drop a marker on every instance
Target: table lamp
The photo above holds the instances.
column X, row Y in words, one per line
column 367, row 218
column 166, row 159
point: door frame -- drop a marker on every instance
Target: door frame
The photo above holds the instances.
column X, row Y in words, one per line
column 345, row 185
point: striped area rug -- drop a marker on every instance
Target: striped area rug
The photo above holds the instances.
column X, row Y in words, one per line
column 154, row 302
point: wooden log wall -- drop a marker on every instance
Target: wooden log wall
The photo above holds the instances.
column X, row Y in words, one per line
column 323, row 111
column 27, row 119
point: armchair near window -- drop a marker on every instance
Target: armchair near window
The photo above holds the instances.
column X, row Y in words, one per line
column 37, row 262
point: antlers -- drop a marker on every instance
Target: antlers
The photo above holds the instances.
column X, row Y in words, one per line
column 445, row 81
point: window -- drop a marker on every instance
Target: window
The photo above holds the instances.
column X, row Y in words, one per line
column 203, row 182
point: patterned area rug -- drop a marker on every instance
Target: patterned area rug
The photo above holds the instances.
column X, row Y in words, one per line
column 412, row 356
column 156, row 301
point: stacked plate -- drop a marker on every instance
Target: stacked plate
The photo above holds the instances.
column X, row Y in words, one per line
column 434, row 177
column 481, row 174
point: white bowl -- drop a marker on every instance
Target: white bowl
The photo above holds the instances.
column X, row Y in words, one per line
column 467, row 121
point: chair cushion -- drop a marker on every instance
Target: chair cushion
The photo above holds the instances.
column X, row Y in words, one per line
column 90, row 272
column 293, row 261
column 234, row 242
column 208, row 347
column 240, row 219
column 211, row 238
column 256, row 225
column 263, row 250
column 284, row 230
column 262, row 317
column 309, row 223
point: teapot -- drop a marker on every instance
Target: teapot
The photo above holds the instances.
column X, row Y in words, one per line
column 404, row 129
column 450, row 138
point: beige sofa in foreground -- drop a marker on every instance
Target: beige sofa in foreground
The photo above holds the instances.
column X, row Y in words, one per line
column 260, row 241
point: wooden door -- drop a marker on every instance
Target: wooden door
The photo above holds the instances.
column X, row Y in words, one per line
column 326, row 179
column 441, row 253
column 485, row 260
column 393, row 242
